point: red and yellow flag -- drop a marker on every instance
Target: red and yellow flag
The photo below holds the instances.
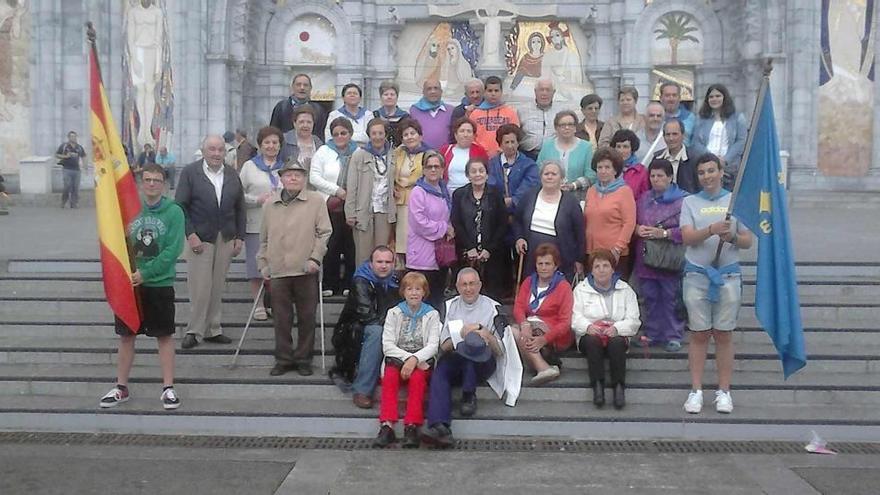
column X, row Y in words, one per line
column 116, row 201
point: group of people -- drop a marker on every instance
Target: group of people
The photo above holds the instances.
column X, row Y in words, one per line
column 390, row 208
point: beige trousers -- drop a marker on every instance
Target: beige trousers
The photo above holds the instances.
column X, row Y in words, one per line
column 206, row 279
column 376, row 235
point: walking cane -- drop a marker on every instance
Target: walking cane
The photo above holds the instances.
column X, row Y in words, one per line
column 247, row 325
column 321, row 316
column 519, row 272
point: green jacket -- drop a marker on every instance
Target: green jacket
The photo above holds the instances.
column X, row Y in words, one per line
column 156, row 237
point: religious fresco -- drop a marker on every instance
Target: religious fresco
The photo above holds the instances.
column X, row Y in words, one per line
column 148, row 100
column 846, row 87
column 15, row 93
column 310, row 46
column 678, row 40
column 547, row 50
column 447, row 51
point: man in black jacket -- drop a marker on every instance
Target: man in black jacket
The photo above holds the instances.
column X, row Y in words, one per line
column 683, row 161
column 357, row 338
column 212, row 199
column 300, row 94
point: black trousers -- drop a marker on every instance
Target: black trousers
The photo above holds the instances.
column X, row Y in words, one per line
column 592, row 347
column 340, row 245
column 436, row 284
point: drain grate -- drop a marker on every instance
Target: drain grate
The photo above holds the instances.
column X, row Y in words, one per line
column 469, row 445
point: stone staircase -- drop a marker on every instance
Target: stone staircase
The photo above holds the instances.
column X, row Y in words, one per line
column 57, row 357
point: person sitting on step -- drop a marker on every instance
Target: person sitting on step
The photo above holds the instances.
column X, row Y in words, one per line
column 470, row 346
column 410, row 340
column 357, row 337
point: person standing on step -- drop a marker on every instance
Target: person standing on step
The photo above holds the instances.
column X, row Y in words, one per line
column 293, row 240
column 157, row 237
column 712, row 287
column 357, row 338
column 212, row 199
column 70, row 156
column 469, row 344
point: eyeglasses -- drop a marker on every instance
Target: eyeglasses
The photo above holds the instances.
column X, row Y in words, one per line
column 566, row 124
column 433, row 167
column 340, row 134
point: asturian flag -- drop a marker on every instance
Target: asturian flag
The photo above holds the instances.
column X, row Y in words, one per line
column 116, row 201
column 761, row 205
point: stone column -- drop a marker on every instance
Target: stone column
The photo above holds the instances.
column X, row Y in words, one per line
column 46, row 126
column 803, row 35
column 218, row 94
column 874, row 168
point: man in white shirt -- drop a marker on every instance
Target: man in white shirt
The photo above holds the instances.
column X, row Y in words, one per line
column 537, row 118
column 215, row 227
column 654, row 117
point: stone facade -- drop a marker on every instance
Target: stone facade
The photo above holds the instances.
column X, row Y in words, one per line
column 229, row 66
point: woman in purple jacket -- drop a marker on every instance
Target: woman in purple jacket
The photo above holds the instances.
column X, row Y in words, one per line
column 657, row 215
column 429, row 207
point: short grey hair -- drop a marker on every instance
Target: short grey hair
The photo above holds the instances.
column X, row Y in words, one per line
column 209, row 137
column 545, row 80
column 474, row 82
column 466, row 271
column 553, row 161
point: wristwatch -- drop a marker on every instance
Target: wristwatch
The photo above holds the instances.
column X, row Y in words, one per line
column 665, row 234
column 479, row 326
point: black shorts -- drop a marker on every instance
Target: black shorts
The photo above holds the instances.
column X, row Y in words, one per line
column 157, row 307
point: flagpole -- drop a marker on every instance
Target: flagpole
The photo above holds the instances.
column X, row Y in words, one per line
column 92, row 37
column 750, row 137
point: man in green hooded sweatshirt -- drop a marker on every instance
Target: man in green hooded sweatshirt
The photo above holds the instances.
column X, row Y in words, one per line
column 156, row 236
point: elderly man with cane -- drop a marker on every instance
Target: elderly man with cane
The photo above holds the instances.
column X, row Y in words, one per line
column 293, row 241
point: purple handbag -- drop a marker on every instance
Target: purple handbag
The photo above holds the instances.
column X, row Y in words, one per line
column 444, row 252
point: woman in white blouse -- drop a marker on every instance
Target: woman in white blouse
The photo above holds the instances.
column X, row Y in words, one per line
column 328, row 175
column 259, row 179
column 721, row 130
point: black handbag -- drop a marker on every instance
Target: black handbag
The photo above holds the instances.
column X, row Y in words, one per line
column 663, row 254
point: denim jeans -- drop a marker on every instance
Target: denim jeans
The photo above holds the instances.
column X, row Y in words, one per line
column 370, row 361
column 71, row 187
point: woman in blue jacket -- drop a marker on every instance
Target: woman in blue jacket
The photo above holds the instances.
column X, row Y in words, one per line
column 721, row 130
column 511, row 172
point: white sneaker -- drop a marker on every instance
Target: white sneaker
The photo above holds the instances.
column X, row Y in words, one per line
column 694, row 404
column 327, row 293
column 723, row 402
column 545, row 376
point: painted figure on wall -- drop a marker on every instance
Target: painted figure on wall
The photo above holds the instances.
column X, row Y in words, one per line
column 537, row 50
column 447, row 55
column 561, row 61
column 145, row 41
column 846, row 92
column 530, row 63
column 15, row 94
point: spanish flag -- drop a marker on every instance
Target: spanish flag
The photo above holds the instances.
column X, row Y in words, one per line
column 116, row 201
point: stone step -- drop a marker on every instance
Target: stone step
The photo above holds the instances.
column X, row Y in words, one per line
column 852, row 356
column 810, row 292
column 575, row 419
column 24, row 309
column 93, row 266
column 254, row 383
column 816, row 337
